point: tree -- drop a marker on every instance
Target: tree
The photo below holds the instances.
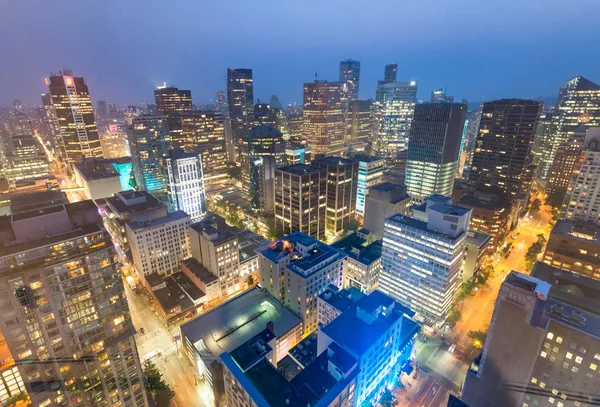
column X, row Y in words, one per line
column 250, row 280
column 465, row 290
column 506, row 248
column 454, row 316
column 160, row 391
column 387, row 399
column 478, row 338
column 535, row 205
column 541, row 238
column 484, row 275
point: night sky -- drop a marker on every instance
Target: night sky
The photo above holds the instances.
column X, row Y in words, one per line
column 478, row 49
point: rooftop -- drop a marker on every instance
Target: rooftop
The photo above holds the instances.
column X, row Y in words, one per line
column 341, row 300
column 281, row 248
column 416, row 224
column 93, row 169
column 300, row 169
column 477, row 239
column 367, row 158
column 131, row 202
column 232, row 323
column 248, row 243
column 172, row 217
column 494, row 204
column 199, row 271
column 447, row 209
column 587, row 231
column 305, row 351
column 331, row 160
column 25, row 201
column 353, row 246
column 253, row 350
column 215, row 226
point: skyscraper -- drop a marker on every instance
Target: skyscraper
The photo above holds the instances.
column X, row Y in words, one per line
column 150, row 145
column 221, row 101
column 439, row 96
column 350, row 73
column 342, row 178
column 186, row 183
column 360, row 121
column 578, row 103
column 504, row 141
column 170, row 99
column 53, row 133
column 240, row 98
column 390, row 72
column 542, row 346
column 433, row 147
column 394, row 110
column 582, row 199
column 370, row 172
column 300, row 200
column 75, row 115
column 324, row 116
column 203, row 132
column 422, row 260
column 64, row 315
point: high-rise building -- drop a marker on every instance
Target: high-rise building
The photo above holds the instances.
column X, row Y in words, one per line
column 542, row 346
column 186, row 183
column 578, row 104
column 384, row 200
column 221, row 101
column 342, row 180
column 566, row 159
column 301, row 199
column 390, row 72
column 159, row 245
column 360, row 121
column 170, row 99
column 394, row 110
column 114, row 142
column 422, row 260
column 75, row 115
column 240, row 98
column 102, row 110
column 470, row 142
column 298, row 155
column 203, row 133
column 296, row 269
column 325, row 105
column 504, row 141
column 439, row 96
column 370, row 172
column 264, row 114
column 350, row 73
column 23, row 158
column 582, row 199
column 575, row 246
column 542, row 146
column 64, row 315
column 51, row 120
column 433, row 146
column 150, row 145
column 362, row 265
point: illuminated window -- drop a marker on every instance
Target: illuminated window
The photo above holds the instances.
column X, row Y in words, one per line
column 558, row 339
column 550, row 335
column 569, row 355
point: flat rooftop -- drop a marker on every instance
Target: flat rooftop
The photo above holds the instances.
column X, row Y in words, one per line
column 331, row 160
column 585, row 231
column 248, row 243
column 354, row 247
column 121, row 208
column 418, row 224
column 93, row 169
column 232, row 323
column 341, row 299
column 321, row 253
column 448, row 209
column 172, row 217
column 281, row 248
column 301, row 169
column 387, row 187
column 367, row 158
column 478, row 239
column 200, row 271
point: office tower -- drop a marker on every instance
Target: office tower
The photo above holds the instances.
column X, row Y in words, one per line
column 186, row 183
column 289, row 268
column 390, row 72
column 578, row 104
column 491, row 215
column 506, row 132
column 64, row 315
column 124, row 207
column 221, row 101
column 370, row 172
column 470, row 142
column 159, row 245
column 264, row 114
column 565, row 162
column 542, row 346
column 298, row 154
column 363, row 264
column 422, row 260
column 439, row 96
column 350, row 73
column 223, row 250
column 248, row 315
column 98, row 177
column 476, row 253
column 342, row 180
column 433, row 146
column 262, row 184
column 360, row 120
column 204, row 133
column 51, row 120
column 114, row 142
column 582, row 198
column 23, row 158
column 102, row 110
column 300, row 200
column 75, row 115
column 113, row 112
column 170, row 99
column 384, row 200
column 542, row 146
column 348, row 364
column 574, row 245
column 394, row 110
column 240, row 98
column 325, row 104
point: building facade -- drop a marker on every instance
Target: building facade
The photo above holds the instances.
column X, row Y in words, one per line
column 325, row 105
column 433, row 149
column 186, row 183
column 170, row 99
column 350, row 73
column 384, row 200
column 370, row 172
column 240, row 99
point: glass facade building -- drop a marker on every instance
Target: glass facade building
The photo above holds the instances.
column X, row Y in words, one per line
column 370, row 172
column 186, row 184
column 350, row 73
column 170, row 99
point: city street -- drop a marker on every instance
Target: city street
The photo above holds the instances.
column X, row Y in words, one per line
column 173, row 364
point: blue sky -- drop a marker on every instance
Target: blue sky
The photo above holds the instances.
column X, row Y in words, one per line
column 479, row 49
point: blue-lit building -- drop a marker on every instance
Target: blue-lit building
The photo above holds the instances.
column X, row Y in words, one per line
column 150, row 145
column 357, row 356
column 370, row 172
